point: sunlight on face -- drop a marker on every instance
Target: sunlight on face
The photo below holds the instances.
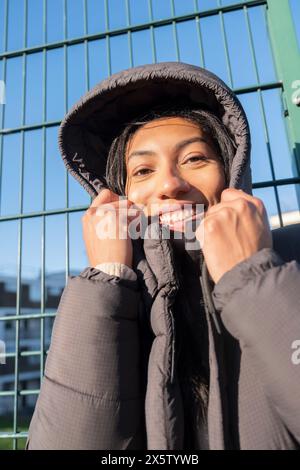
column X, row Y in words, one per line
column 172, row 161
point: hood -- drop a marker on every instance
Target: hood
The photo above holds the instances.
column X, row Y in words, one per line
column 88, row 129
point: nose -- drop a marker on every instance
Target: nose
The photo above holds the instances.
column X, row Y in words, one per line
column 171, row 184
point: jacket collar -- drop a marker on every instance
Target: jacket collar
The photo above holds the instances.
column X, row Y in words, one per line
column 156, row 269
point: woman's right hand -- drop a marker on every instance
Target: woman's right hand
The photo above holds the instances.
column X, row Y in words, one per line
column 105, row 229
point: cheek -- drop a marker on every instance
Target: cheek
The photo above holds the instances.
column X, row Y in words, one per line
column 220, row 180
column 217, row 185
column 211, row 184
column 142, row 195
column 135, row 195
column 139, row 196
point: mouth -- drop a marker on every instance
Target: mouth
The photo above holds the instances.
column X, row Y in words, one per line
column 179, row 218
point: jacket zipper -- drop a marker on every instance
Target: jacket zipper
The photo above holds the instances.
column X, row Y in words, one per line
column 171, row 295
column 208, row 302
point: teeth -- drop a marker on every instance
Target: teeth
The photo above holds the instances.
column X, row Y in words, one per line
column 176, row 216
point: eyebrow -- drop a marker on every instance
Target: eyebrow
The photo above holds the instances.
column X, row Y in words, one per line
column 179, row 146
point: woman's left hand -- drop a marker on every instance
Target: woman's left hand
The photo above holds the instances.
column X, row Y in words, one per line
column 233, row 230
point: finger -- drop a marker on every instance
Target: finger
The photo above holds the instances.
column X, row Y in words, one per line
column 240, row 204
column 229, row 194
column 105, row 196
column 115, row 206
column 124, row 207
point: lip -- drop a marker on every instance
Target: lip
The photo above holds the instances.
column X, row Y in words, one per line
column 180, row 225
column 177, row 207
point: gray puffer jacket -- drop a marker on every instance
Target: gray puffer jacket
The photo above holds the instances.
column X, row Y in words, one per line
column 111, row 377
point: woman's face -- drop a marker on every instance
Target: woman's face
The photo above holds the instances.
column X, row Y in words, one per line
column 171, row 161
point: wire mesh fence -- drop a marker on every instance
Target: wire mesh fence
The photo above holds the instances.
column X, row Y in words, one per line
column 52, row 52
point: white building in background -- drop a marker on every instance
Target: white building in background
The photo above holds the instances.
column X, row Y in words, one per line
column 288, row 218
column 29, row 333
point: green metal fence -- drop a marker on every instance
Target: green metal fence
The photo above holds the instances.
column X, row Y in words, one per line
column 286, row 60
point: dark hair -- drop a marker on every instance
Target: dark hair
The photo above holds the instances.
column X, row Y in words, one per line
column 210, row 124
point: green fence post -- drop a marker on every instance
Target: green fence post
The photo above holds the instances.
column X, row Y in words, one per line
column 287, row 59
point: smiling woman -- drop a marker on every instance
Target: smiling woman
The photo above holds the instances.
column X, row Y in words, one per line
column 165, row 129
column 154, row 345
column 166, row 162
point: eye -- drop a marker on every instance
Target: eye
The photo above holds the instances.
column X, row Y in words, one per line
column 195, row 158
column 141, row 172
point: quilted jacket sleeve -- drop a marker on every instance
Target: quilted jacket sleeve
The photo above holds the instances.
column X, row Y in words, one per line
column 259, row 303
column 91, row 396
